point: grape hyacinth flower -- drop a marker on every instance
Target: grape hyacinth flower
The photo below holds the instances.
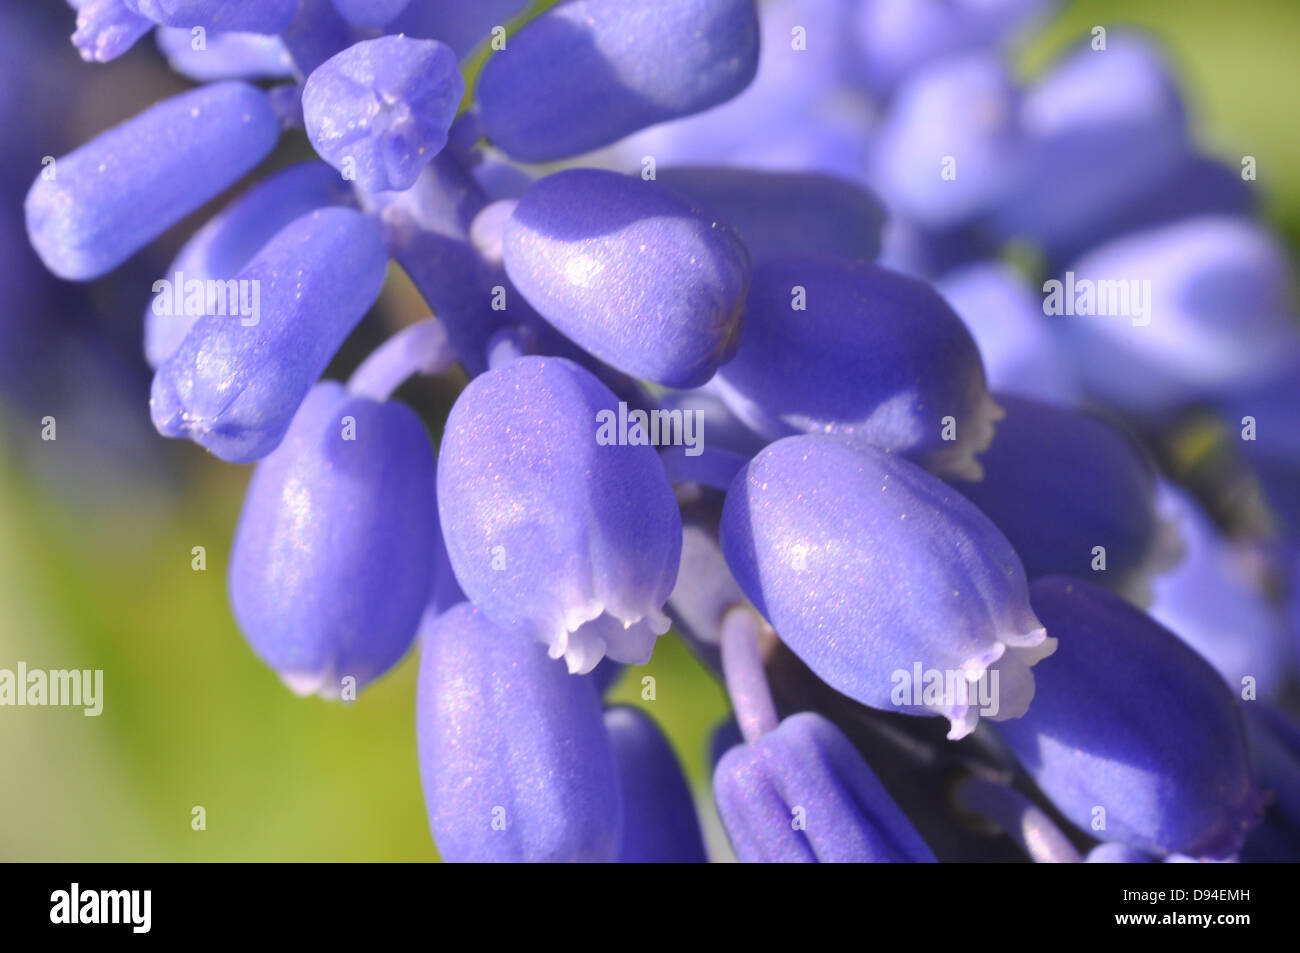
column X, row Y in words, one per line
column 1073, row 495
column 550, row 532
column 630, row 272
column 514, row 755
column 1132, row 733
column 336, row 550
column 380, row 110
column 659, row 822
column 235, row 383
column 958, row 348
column 588, row 72
column 823, row 538
column 867, row 354
column 118, row 192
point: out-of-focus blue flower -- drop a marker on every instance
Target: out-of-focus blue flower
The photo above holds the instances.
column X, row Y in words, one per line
column 588, row 72
column 228, row 242
column 106, row 29
column 1132, row 735
column 335, row 554
column 514, row 755
column 802, row 793
column 224, row 55
column 98, row 205
column 779, row 213
column 253, row 16
column 1162, row 318
column 945, row 151
column 1074, row 496
column 371, row 12
column 659, row 822
column 895, row 39
column 837, row 346
column 1209, row 600
column 868, row 567
column 552, row 531
column 380, row 110
column 588, row 248
column 236, row 381
column 1021, row 351
column 462, row 26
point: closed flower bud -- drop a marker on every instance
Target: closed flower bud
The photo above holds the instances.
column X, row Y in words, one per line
column 252, row 16
column 514, row 756
column 890, row 586
column 1132, row 733
column 779, row 213
column 659, row 822
column 875, row 357
column 235, row 382
column 630, row 272
column 589, row 72
column 555, row 527
column 1178, row 314
column 336, row 551
column 1073, row 495
column 222, row 247
column 115, row 194
column 225, row 55
column 380, row 110
column 803, row 794
column 462, row 26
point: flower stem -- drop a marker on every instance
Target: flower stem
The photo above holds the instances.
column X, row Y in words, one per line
column 420, row 348
column 1019, row 818
column 742, row 669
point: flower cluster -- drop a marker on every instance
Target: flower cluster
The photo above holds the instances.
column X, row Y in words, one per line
column 935, row 529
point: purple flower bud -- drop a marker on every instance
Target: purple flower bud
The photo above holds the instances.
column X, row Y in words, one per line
column 335, row 554
column 554, row 526
column 112, row 196
column 802, row 793
column 778, row 213
column 1021, row 351
column 106, row 29
column 1164, row 317
column 631, row 272
column 381, row 109
column 1212, row 601
column 896, row 39
column 853, row 349
column 659, row 822
column 588, row 72
column 236, row 381
column 1074, row 496
column 889, row 585
column 222, row 247
column 1114, row 853
column 514, row 756
column 252, row 16
column 1131, row 729
column 945, row 151
column 370, row 12
column 462, row 26
column 225, row 55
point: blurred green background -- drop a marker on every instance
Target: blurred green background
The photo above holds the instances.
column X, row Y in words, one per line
column 103, row 580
